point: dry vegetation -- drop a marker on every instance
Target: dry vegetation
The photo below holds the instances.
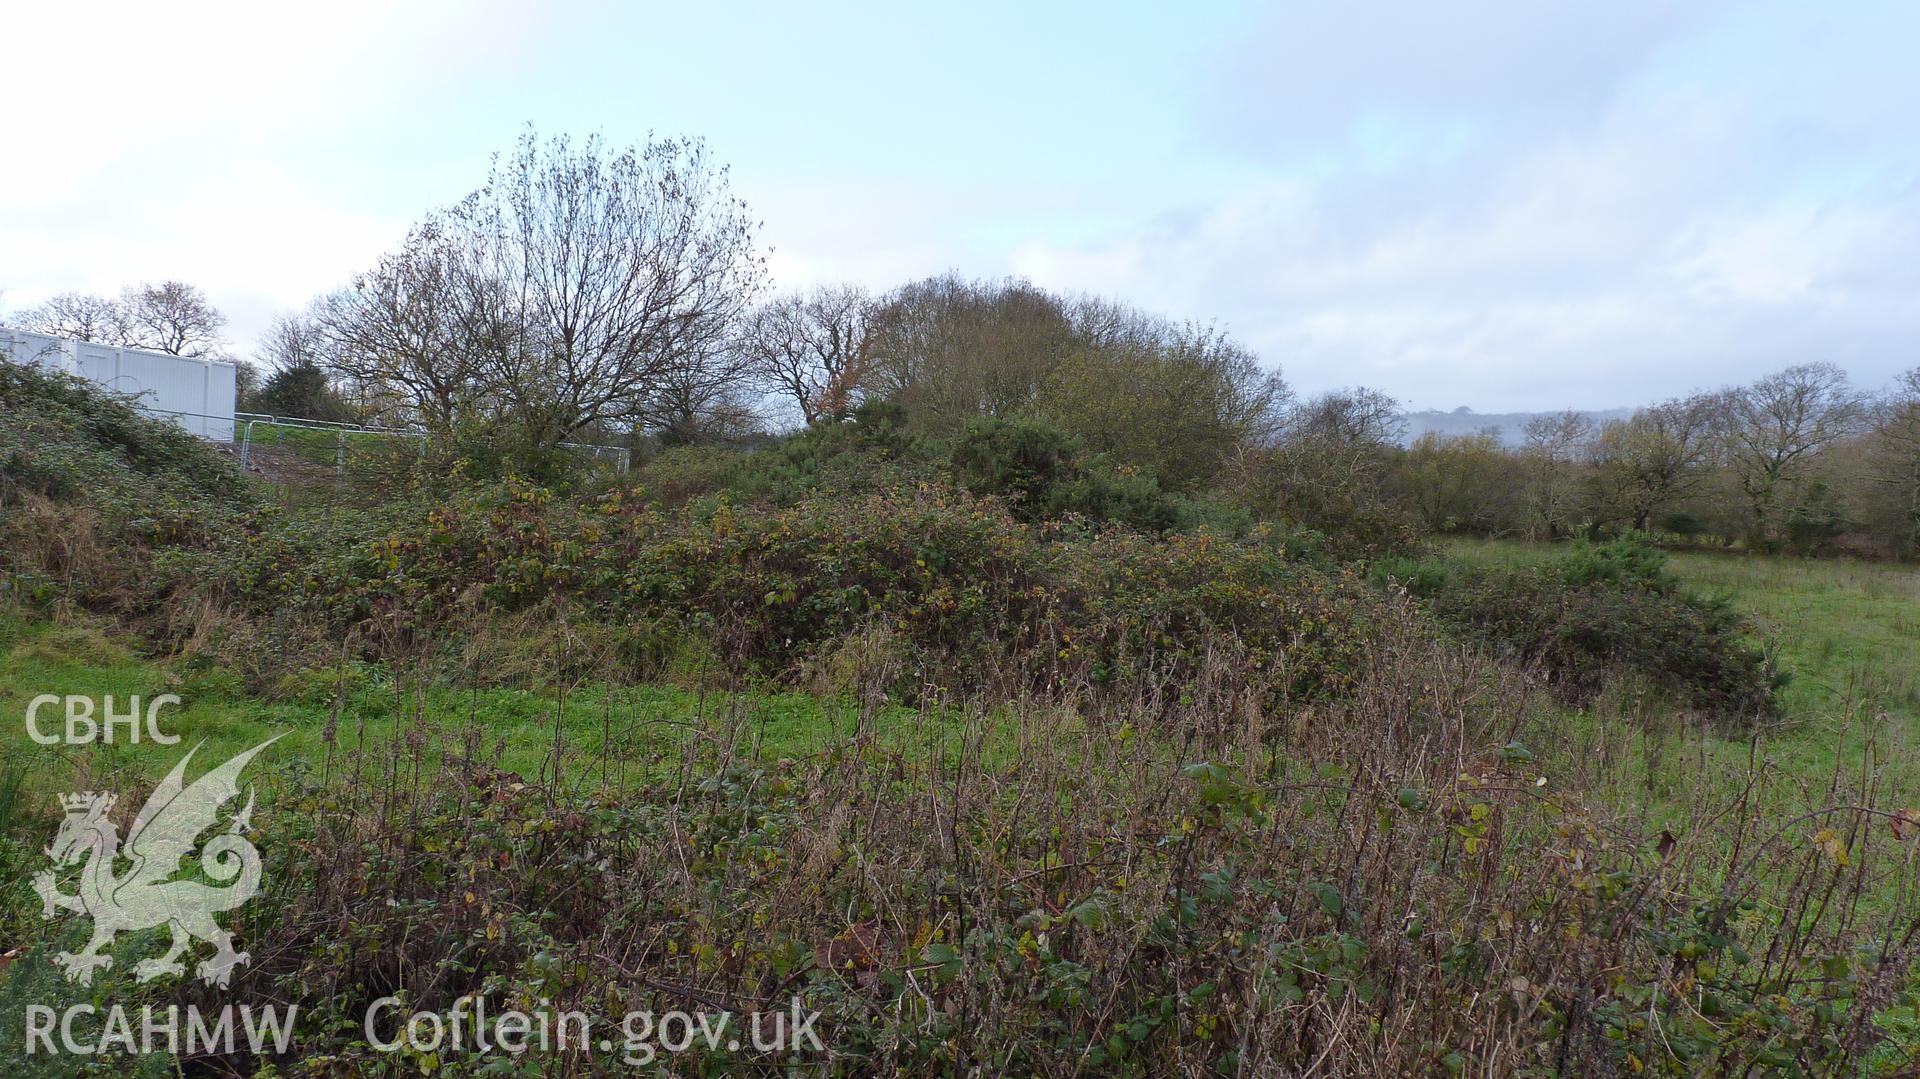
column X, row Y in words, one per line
column 1063, row 698
column 1103, row 781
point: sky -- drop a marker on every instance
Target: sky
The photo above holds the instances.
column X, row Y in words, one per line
column 1504, row 204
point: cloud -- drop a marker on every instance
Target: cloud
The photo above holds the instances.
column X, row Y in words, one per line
column 191, row 142
column 1625, row 217
column 1311, row 71
column 1501, row 203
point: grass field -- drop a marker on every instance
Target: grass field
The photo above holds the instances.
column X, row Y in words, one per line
column 595, row 734
column 1847, row 633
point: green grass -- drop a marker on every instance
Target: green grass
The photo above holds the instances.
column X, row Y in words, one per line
column 1847, row 633
column 321, row 444
column 335, row 720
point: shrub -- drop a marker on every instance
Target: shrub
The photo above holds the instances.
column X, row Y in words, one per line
column 1026, row 462
column 967, row 591
column 1608, row 607
column 1386, row 892
column 870, row 448
column 1163, row 605
column 1630, row 561
column 1044, row 475
column 67, row 439
column 955, row 574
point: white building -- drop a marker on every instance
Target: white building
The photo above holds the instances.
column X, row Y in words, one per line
column 198, row 394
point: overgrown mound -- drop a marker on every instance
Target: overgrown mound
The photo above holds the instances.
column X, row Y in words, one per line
column 1042, row 473
column 1605, row 609
column 91, row 488
column 958, row 591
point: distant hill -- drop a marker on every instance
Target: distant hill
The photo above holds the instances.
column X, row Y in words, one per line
column 1510, row 425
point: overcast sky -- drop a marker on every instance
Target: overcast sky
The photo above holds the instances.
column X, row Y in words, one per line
column 1508, row 204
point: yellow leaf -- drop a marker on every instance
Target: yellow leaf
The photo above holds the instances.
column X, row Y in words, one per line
column 1832, row 845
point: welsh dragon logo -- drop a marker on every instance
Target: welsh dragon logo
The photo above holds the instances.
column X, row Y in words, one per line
column 146, row 895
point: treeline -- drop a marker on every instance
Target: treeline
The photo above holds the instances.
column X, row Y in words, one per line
column 171, row 317
column 1799, row 460
column 586, row 293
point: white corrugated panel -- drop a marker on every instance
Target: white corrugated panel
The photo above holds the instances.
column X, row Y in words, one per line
column 35, row 348
column 196, row 394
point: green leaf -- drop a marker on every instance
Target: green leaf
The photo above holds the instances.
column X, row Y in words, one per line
column 1515, row 753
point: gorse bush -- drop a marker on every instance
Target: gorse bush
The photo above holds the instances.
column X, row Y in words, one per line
column 1629, row 561
column 871, row 447
column 1602, row 609
column 1045, row 475
column 1027, row 462
column 1579, row 634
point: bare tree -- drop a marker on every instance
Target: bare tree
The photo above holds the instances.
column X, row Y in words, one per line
column 1336, row 447
column 613, row 268
column 406, row 334
column 1359, row 417
column 293, row 341
column 79, row 316
column 172, row 317
column 950, row 349
column 1554, row 446
column 562, row 294
column 1330, row 469
column 704, row 397
column 812, row 349
column 1178, row 399
column 1645, row 464
column 1459, row 482
column 1771, row 430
